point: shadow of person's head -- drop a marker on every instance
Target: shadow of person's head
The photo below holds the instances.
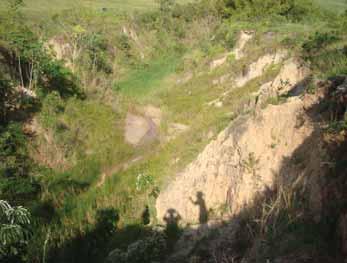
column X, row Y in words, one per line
column 172, row 217
column 200, row 195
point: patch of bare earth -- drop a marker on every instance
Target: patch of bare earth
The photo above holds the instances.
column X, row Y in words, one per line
column 247, row 159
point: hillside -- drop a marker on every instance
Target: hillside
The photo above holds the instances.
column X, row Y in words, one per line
column 41, row 9
column 208, row 131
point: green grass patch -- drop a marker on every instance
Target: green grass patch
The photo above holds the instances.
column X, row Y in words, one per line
column 146, row 78
column 41, row 9
column 333, row 5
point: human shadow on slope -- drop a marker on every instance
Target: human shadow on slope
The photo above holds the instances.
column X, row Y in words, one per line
column 200, row 202
column 296, row 219
column 302, row 216
column 172, row 229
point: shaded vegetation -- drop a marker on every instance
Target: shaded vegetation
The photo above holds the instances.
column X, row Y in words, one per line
column 80, row 100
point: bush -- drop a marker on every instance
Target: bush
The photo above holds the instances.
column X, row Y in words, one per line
column 14, row 234
column 293, row 10
column 7, row 100
column 166, row 6
column 52, row 105
column 97, row 52
column 12, row 150
column 319, row 41
column 14, row 164
column 226, row 35
column 324, row 55
column 148, row 250
column 123, row 43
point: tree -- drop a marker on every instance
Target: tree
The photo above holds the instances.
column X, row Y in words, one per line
column 14, row 234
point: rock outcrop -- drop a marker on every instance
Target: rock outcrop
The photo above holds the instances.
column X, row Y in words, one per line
column 258, row 68
column 240, row 163
column 246, row 158
column 291, row 78
column 238, row 52
column 244, row 38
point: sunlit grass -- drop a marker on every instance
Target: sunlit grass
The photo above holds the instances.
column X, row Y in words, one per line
column 41, row 9
column 333, row 5
column 140, row 82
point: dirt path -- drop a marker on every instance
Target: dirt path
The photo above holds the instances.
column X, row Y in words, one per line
column 117, row 168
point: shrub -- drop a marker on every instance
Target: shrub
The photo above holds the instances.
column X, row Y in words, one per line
column 14, row 234
column 324, row 55
column 148, row 250
column 123, row 43
column 7, row 100
column 52, row 105
column 166, row 6
column 226, row 35
column 96, row 49
column 12, row 150
column 294, row 10
column 14, row 164
column 319, row 41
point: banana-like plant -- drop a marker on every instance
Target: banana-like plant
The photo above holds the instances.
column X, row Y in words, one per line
column 13, row 228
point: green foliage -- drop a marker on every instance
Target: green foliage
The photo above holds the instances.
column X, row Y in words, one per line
column 13, row 150
column 59, row 78
column 30, row 64
column 52, row 106
column 7, row 100
column 143, row 181
column 90, row 134
column 325, row 51
column 13, row 8
column 123, row 43
column 142, row 80
column 14, row 233
column 226, row 34
column 15, row 181
column 334, row 6
column 150, row 249
column 107, row 220
column 89, row 54
column 166, row 6
column 15, row 4
column 337, row 126
column 293, row 10
column 319, row 41
column 96, row 49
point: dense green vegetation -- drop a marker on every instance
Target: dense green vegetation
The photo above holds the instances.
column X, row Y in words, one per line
column 14, row 231
column 112, row 63
column 333, row 5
